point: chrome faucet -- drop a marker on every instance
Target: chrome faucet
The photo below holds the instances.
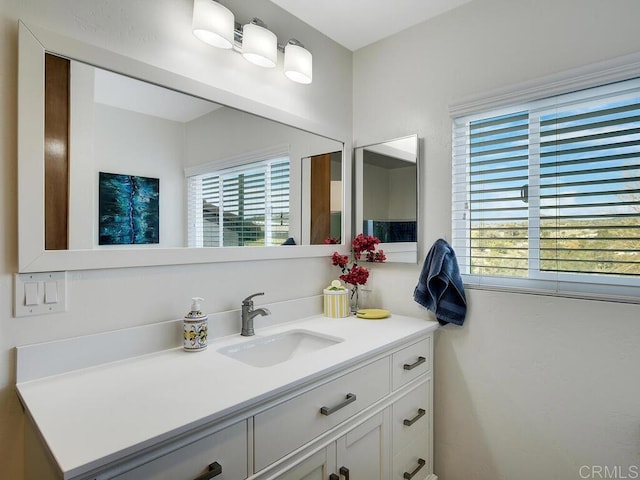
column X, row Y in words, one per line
column 248, row 313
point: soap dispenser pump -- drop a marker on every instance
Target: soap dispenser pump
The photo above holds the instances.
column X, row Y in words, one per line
column 195, row 327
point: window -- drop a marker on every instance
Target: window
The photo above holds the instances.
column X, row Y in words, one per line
column 546, row 194
column 247, row 205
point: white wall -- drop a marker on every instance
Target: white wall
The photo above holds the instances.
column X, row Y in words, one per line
column 531, row 387
column 157, row 32
column 227, row 134
column 136, row 144
column 403, row 205
column 389, row 193
column 375, row 193
column 108, row 139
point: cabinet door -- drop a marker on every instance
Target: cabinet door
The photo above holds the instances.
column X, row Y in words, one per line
column 362, row 454
column 227, row 447
column 315, row 467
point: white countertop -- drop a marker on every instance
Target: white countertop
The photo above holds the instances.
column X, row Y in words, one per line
column 93, row 416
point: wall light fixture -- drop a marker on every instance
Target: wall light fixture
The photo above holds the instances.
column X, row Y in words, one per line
column 215, row 24
column 297, row 62
column 259, row 44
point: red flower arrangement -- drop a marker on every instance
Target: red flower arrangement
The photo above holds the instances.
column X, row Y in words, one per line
column 363, row 248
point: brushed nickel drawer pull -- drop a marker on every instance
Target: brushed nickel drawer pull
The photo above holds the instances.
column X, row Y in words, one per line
column 351, row 397
column 409, row 476
column 420, row 361
column 421, row 412
column 215, row 469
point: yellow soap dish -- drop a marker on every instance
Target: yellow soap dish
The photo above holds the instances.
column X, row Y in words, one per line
column 372, row 313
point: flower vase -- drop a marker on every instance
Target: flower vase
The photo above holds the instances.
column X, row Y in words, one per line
column 355, row 300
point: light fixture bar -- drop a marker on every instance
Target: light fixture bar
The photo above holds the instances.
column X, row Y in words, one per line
column 214, row 24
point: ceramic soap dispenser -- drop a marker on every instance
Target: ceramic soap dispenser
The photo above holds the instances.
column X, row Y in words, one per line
column 195, row 327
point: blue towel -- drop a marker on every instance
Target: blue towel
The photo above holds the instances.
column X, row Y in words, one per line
column 440, row 288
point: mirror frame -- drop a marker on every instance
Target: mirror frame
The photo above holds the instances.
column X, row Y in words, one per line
column 34, row 42
column 358, row 206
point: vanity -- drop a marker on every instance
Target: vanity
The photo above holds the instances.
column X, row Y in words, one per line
column 352, row 400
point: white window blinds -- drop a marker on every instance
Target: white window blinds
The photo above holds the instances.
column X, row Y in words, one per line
column 240, row 206
column 546, row 195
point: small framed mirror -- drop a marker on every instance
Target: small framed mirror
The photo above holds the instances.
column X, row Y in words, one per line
column 386, row 196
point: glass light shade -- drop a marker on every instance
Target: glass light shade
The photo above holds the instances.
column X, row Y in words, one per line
column 298, row 63
column 259, row 45
column 213, row 23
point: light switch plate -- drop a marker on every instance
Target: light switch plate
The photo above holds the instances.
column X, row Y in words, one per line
column 53, row 283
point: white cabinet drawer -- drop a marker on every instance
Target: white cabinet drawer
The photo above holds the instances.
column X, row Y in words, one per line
column 228, row 448
column 413, row 460
column 289, row 425
column 411, row 362
column 411, row 417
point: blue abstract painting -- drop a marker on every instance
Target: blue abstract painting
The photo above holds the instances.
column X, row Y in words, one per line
column 129, row 209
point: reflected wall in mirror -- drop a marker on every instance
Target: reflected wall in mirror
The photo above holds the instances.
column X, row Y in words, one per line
column 386, row 196
column 227, row 177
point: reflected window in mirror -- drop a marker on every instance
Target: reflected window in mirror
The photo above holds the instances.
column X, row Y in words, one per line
column 387, row 196
column 240, row 206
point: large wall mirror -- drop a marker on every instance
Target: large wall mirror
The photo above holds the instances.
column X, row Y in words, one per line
column 386, row 196
column 124, row 164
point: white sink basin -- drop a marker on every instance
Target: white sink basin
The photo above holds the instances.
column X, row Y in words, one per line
column 278, row 348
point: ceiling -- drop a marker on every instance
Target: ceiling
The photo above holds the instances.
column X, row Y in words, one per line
column 127, row 93
column 357, row 23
